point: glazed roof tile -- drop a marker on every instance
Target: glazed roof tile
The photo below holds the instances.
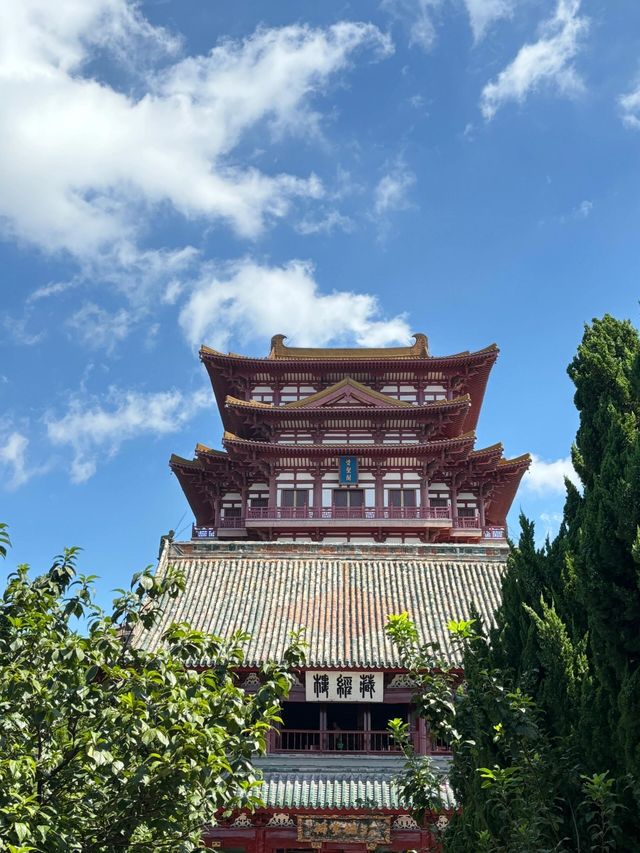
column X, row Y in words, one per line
column 296, row 408
column 342, row 601
column 419, row 349
column 384, row 354
column 348, row 382
column 336, row 791
column 230, row 440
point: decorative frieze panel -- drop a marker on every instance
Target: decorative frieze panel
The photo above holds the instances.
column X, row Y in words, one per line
column 404, row 821
column 281, row 819
column 402, row 679
column 372, row 831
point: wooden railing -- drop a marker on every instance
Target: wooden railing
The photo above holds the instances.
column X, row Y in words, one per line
column 232, row 522
column 314, row 740
column 494, row 533
column 329, row 513
column 488, row 533
column 439, row 745
column 336, row 741
column 467, row 522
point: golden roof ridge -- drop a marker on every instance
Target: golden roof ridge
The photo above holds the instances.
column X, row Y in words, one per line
column 232, row 437
column 230, row 400
column 419, row 349
column 202, row 448
column 524, row 457
column 497, row 447
column 174, row 459
column 357, row 353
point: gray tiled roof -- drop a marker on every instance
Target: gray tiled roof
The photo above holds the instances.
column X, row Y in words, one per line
column 342, row 599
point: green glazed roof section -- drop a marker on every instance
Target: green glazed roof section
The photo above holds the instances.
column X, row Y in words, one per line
column 342, row 601
column 347, row 791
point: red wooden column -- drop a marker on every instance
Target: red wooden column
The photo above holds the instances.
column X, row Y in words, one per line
column 481, row 505
column 317, row 490
column 379, row 488
column 423, row 746
column 424, row 490
column 273, row 491
column 453, row 489
column 260, row 841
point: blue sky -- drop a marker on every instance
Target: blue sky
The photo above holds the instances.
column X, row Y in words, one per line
column 175, row 173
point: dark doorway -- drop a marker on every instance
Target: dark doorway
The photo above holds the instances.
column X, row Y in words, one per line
column 300, row 715
column 382, row 712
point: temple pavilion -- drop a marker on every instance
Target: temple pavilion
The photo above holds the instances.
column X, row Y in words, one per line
column 348, row 488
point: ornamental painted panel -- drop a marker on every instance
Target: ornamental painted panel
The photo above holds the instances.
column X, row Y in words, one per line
column 344, row 686
column 369, row 830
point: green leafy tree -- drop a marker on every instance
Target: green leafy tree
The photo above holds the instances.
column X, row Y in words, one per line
column 106, row 747
column 547, row 722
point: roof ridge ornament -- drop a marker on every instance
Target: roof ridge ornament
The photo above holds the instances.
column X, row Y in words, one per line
column 419, row 349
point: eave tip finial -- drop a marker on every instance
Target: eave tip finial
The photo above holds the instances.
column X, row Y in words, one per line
column 277, row 344
column 421, row 345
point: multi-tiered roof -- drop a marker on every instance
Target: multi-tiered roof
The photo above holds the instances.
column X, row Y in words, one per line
column 408, row 419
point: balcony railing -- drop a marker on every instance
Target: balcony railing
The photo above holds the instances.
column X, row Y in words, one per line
column 439, row 745
column 331, row 513
column 494, row 533
column 467, row 522
column 233, row 523
column 313, row 740
column 336, row 741
column 487, row 533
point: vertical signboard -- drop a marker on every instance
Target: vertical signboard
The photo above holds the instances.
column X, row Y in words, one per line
column 348, row 474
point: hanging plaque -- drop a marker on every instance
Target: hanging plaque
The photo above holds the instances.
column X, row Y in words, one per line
column 370, row 830
column 348, row 474
column 344, row 686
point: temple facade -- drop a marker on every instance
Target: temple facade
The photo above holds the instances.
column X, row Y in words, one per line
column 357, row 445
column 349, row 489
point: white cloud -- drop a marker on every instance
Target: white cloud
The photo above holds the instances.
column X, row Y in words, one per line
column 391, row 192
column 546, row 61
column 547, row 477
column 13, row 457
column 17, row 329
column 418, row 16
column 331, row 221
column 98, row 160
column 482, row 13
column 551, row 522
column 630, row 105
column 247, row 300
column 583, row 210
column 93, row 428
column 98, row 328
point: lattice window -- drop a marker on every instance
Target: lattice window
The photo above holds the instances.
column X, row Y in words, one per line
column 294, row 497
column 352, row 498
column 403, row 497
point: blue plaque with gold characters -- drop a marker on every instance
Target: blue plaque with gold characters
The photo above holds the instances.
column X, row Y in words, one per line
column 348, row 471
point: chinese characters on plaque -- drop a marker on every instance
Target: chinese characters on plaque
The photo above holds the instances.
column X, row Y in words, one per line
column 345, row 686
column 348, row 475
